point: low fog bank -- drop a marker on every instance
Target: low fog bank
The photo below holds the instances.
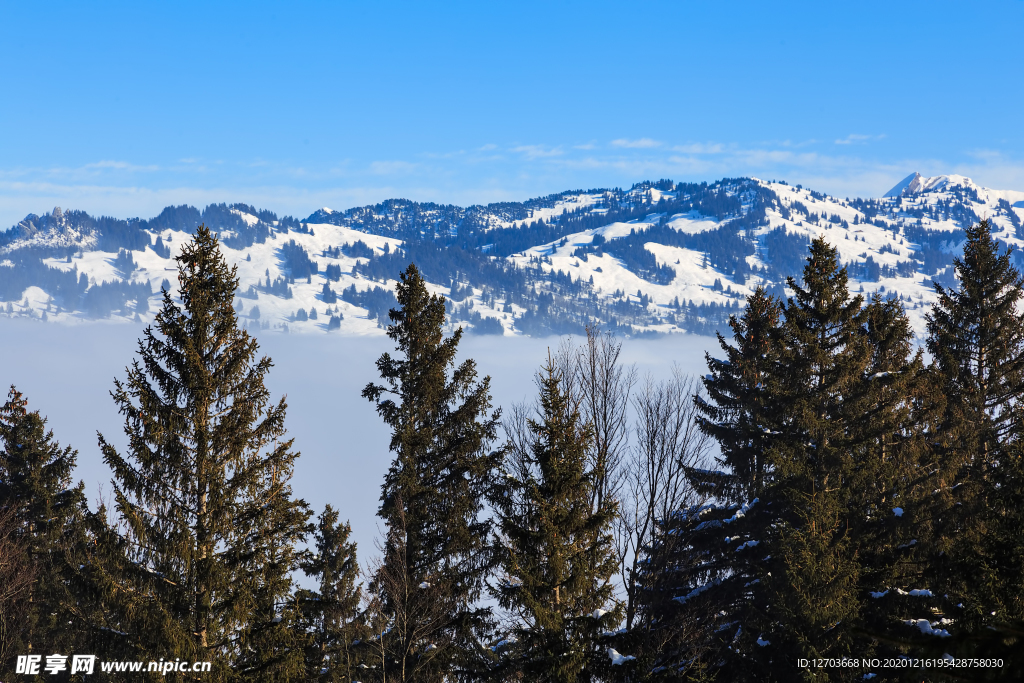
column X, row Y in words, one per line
column 67, row 372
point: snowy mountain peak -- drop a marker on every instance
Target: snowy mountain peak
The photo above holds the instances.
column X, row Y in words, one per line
column 898, row 188
column 915, row 183
column 939, row 183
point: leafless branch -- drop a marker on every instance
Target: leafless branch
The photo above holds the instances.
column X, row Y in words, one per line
column 655, row 484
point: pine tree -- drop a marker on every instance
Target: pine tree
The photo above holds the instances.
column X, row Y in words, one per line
column 555, row 550
column 36, row 488
column 976, row 339
column 435, row 556
column 200, row 565
column 815, row 416
column 703, row 594
column 744, row 390
column 814, row 573
column 330, row 612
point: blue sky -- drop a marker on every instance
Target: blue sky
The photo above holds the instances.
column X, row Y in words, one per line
column 121, row 109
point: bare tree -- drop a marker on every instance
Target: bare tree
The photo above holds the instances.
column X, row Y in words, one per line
column 668, row 440
column 16, row 576
column 592, row 374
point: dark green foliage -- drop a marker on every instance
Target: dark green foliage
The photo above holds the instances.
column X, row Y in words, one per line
column 976, row 337
column 46, row 513
column 435, row 554
column 329, row 613
column 554, row 548
column 208, row 527
column 744, row 389
column 704, row 603
column 815, row 415
column 822, row 471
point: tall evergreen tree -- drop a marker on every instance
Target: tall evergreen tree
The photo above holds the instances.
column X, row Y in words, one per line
column 556, row 551
column 330, row 611
column 814, row 574
column 435, row 554
column 36, row 488
column 200, row 568
column 816, row 431
column 976, row 339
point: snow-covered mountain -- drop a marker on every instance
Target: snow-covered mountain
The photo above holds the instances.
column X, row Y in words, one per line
column 660, row 257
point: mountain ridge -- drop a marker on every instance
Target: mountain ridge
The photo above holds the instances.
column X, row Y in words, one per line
column 661, row 257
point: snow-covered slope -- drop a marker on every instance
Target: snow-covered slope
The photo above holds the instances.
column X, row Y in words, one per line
column 657, row 258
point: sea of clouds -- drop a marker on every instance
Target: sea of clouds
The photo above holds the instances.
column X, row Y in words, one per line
column 67, row 372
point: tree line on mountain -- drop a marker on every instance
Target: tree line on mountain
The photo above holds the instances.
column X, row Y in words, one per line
column 454, row 244
column 132, row 234
column 866, row 503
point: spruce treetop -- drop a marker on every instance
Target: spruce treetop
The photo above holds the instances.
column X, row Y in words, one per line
column 744, row 389
column 975, row 333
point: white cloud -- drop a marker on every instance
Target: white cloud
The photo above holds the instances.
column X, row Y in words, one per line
column 642, row 143
column 538, row 151
column 700, row 148
column 119, row 166
column 854, row 138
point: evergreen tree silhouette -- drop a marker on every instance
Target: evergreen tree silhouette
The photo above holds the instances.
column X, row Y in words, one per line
column 435, row 556
column 554, row 546
column 47, row 508
column 199, row 564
